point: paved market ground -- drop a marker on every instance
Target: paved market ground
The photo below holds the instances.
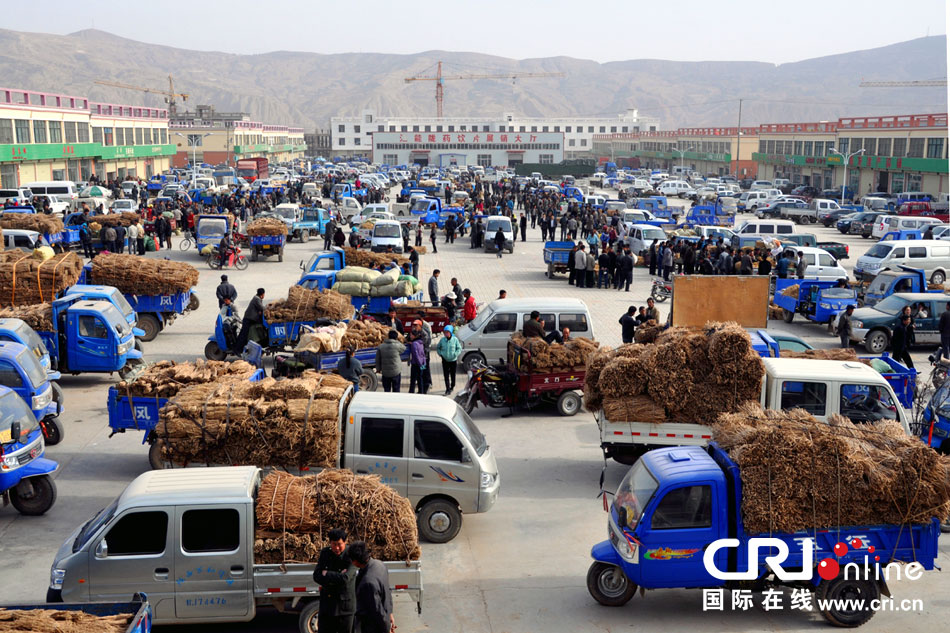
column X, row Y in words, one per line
column 520, row 567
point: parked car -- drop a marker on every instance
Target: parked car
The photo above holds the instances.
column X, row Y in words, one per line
column 806, row 191
column 830, row 218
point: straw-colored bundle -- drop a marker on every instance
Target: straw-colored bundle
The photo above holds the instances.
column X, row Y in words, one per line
column 825, row 354
column 776, row 312
column 166, row 378
column 572, row 355
column 647, row 332
column 303, row 304
column 126, row 218
column 25, row 280
column 38, row 316
column 791, row 291
column 290, row 423
column 364, row 334
column 801, row 474
column 294, row 515
column 368, row 259
column 140, row 276
column 32, row 222
column 267, row 226
column 639, row 408
column 58, row 621
column 595, row 366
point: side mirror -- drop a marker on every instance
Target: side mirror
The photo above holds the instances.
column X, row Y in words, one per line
column 102, row 549
column 301, row 264
column 15, row 431
column 466, row 458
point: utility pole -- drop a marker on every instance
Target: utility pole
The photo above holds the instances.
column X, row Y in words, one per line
column 846, row 158
column 738, row 138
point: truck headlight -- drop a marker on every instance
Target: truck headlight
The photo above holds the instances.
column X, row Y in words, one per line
column 488, row 480
column 10, row 462
column 41, row 401
column 56, row 578
column 126, row 346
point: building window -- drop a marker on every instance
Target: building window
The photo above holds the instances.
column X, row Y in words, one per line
column 6, row 132
column 368, row 118
column 380, row 128
column 900, row 148
column 603, row 129
column 570, row 142
column 438, row 128
column 82, row 132
column 69, row 128
column 97, row 135
column 543, row 128
column 341, row 128
column 356, row 141
column 485, row 128
column 415, row 128
column 844, row 145
column 484, row 160
column 583, row 142
column 341, row 142
column 119, row 135
column 55, row 132
column 808, row 148
column 915, row 149
column 428, row 128
column 884, row 147
column 798, row 147
column 534, row 128
column 770, row 147
column 390, row 159
column 138, row 136
column 934, row 148
column 546, row 159
column 829, row 145
column 521, row 129
column 404, row 128
column 148, row 136
column 613, row 129
column 39, row 131
column 590, row 129
column 568, row 129
column 870, row 147
column 392, row 128
column 762, row 146
column 8, row 175
column 913, row 182
column 22, row 130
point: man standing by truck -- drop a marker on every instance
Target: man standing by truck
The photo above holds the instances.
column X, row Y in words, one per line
column 901, row 341
column 943, row 326
column 336, row 574
column 374, row 601
column 844, row 327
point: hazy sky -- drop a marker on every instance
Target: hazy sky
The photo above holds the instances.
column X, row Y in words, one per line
column 602, row 30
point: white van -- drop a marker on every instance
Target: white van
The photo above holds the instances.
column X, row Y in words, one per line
column 20, row 195
column 492, row 223
column 932, row 256
column 641, row 236
column 486, row 338
column 761, row 185
column 887, row 223
column 387, row 234
column 65, row 189
column 767, row 227
column 676, row 188
column 751, row 200
column 820, row 264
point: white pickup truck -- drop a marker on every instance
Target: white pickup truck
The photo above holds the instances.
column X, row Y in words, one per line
column 821, row 387
column 185, row 538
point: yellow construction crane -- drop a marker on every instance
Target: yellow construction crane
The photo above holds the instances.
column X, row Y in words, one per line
column 926, row 83
column 439, row 78
column 170, row 94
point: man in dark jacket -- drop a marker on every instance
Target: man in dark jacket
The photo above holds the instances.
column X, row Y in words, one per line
column 523, row 224
column 252, row 316
column 943, row 327
column 533, row 326
column 389, row 363
column 225, row 291
column 374, row 601
column 901, row 341
column 336, row 574
column 625, row 270
column 628, row 324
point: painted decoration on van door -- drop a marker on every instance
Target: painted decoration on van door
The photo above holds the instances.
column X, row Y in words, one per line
column 446, row 476
column 385, row 470
column 666, row 553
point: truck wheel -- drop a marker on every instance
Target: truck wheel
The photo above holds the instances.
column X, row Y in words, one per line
column 280, row 254
column 439, row 521
column 876, row 341
column 254, row 255
column 608, row 585
column 308, row 617
column 569, row 403
column 787, row 315
column 471, row 359
column 149, row 323
column 938, row 277
column 213, row 352
column 368, row 380
column 304, row 236
column 155, row 455
column 843, row 595
column 44, row 496
column 58, row 396
column 53, row 431
column 193, row 302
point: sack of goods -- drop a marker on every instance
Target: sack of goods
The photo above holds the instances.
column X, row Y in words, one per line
column 392, row 284
column 799, row 473
column 40, row 222
column 572, row 355
column 303, row 304
column 267, row 226
column 368, row 259
column 685, row 376
column 38, row 316
column 25, row 280
column 136, row 275
column 294, row 515
column 328, row 338
column 292, row 423
column 166, row 378
column 126, row 218
column 333, row 338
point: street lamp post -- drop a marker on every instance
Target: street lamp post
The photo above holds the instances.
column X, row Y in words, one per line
column 846, row 159
column 193, row 140
column 682, row 153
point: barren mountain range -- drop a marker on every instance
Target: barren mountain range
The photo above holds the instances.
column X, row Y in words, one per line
column 306, row 89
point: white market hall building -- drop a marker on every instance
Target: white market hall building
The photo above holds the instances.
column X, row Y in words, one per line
column 488, row 149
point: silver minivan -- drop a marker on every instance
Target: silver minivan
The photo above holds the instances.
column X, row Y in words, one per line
column 485, row 339
column 932, row 256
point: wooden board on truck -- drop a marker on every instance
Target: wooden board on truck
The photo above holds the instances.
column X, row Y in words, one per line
column 701, row 298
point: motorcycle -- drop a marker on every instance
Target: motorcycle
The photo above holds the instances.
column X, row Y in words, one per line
column 25, row 479
column 489, row 387
column 940, row 369
column 662, row 290
column 235, row 258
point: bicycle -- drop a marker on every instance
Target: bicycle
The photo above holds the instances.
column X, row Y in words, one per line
column 186, row 242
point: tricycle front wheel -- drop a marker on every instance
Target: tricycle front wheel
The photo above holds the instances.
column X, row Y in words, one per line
column 43, row 498
column 214, row 352
column 608, row 585
column 155, row 459
column 569, row 403
column 53, row 431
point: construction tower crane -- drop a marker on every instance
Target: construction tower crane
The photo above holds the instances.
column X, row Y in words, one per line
column 170, row 94
column 927, row 83
column 439, row 78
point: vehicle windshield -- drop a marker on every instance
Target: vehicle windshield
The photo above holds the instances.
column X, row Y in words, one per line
column 31, row 365
column 212, row 227
column 286, row 212
column 654, row 234
column 494, row 225
column 30, row 338
column 93, row 525
column 891, row 305
column 879, row 251
column 311, row 215
column 13, row 409
column 115, row 319
column 481, row 319
column 634, row 493
column 386, row 230
column 633, row 217
column 420, row 205
column 941, row 400
column 468, row 428
column 837, row 293
column 118, row 299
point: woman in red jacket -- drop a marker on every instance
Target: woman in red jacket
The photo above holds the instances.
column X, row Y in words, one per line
column 468, row 310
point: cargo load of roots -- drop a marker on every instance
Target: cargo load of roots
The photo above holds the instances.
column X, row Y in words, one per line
column 136, row 275
column 166, row 378
column 292, row 423
column 303, row 304
column 368, row 259
column 294, row 515
column 126, row 218
column 684, row 376
column 38, row 316
column 343, row 336
column 39, row 222
column 25, row 280
column 799, row 473
column 570, row 356
column 59, row 621
column 267, row 226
